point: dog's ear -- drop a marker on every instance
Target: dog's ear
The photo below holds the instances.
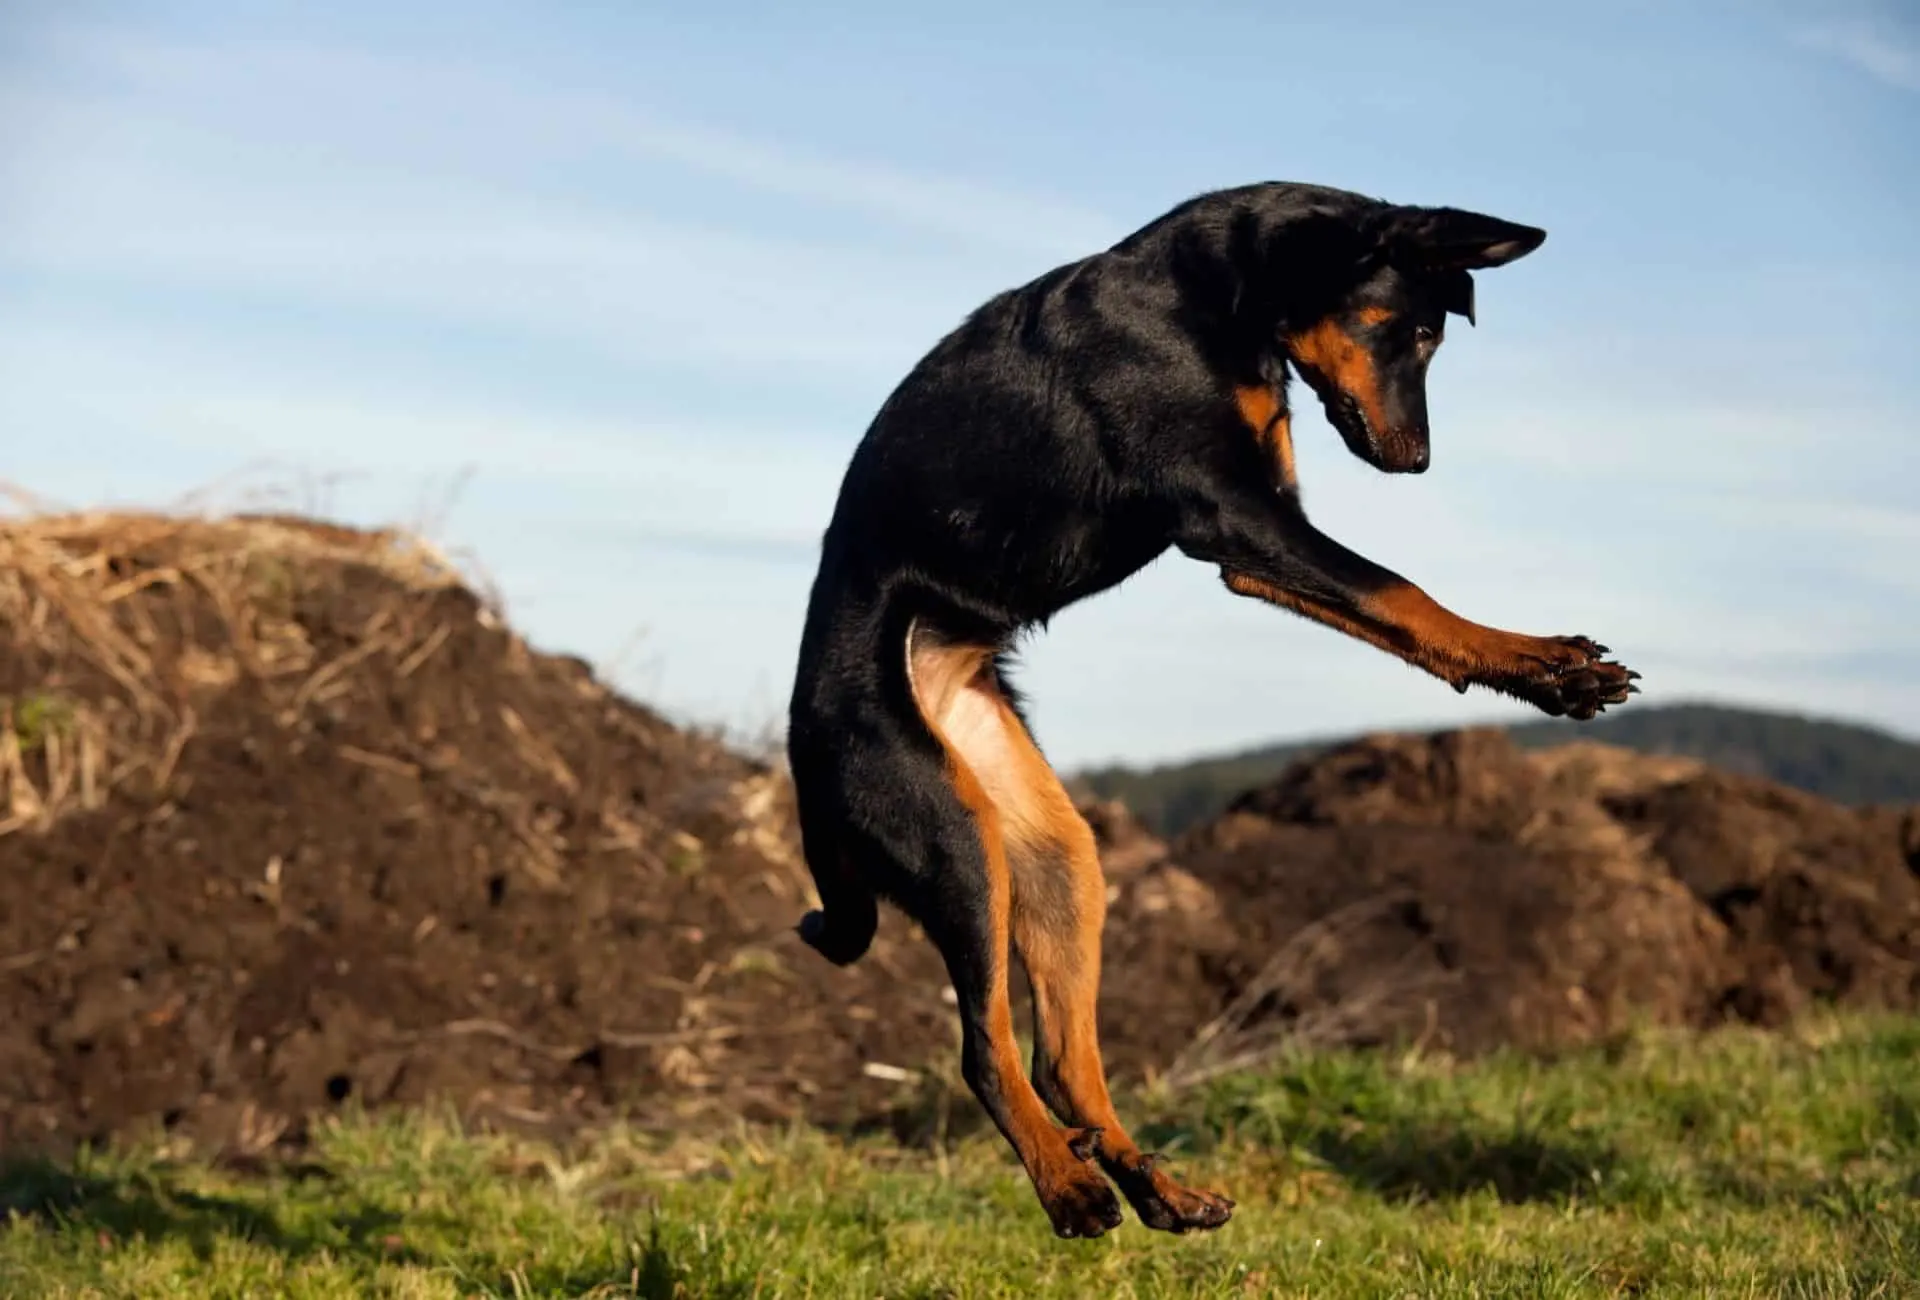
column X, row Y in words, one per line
column 1448, row 239
column 1455, row 290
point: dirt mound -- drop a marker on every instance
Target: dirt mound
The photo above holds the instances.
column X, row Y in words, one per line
column 290, row 820
column 290, row 817
column 1484, row 895
column 1818, row 900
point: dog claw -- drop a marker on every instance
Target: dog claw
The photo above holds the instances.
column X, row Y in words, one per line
column 1085, row 1143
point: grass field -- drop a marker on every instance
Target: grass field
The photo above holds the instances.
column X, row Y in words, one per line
column 1739, row 1165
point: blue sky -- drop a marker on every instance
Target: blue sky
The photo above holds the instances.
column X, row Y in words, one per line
column 604, row 294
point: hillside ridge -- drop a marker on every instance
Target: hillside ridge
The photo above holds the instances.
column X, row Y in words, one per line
column 1846, row 761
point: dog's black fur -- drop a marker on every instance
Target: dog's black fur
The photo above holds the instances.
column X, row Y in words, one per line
column 1070, row 431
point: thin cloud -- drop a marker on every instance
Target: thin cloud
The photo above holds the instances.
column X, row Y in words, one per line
column 1878, row 53
column 402, row 104
column 291, row 175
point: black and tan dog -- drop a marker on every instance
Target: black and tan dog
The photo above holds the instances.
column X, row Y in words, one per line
column 1064, row 435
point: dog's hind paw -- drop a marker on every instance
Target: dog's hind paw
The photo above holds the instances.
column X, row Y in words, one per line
column 1082, row 1205
column 1165, row 1205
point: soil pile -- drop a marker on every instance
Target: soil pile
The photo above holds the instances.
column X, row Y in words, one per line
column 1468, row 893
column 289, row 817
column 290, row 820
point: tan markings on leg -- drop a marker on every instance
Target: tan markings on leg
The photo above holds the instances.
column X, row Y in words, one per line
column 1405, row 621
column 1248, row 585
column 1059, row 904
column 1261, row 410
column 955, row 695
column 1341, row 360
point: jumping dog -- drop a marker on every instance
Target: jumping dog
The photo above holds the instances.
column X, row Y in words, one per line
column 1060, row 438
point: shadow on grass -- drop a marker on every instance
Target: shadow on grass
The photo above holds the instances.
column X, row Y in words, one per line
column 1399, row 1157
column 1438, row 1157
column 150, row 1205
column 665, row 1268
column 1445, row 1163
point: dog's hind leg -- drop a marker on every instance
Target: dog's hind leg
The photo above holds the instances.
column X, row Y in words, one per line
column 1059, row 905
column 965, row 903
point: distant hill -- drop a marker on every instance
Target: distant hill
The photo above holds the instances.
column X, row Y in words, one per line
column 1842, row 761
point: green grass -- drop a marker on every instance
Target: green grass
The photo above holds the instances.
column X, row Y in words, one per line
column 38, row 715
column 1737, row 1165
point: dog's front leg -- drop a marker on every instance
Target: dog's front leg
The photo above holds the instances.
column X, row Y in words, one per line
column 1265, row 547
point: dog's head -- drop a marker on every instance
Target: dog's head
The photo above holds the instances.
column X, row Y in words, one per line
column 1365, row 352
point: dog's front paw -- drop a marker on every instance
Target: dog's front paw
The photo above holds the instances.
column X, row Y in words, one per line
column 1566, row 676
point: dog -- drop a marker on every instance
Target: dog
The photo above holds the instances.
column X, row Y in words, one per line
column 1062, row 436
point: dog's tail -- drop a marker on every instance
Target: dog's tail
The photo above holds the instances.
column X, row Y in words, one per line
column 842, row 928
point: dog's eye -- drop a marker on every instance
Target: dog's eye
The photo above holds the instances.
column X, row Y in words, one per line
column 1425, row 334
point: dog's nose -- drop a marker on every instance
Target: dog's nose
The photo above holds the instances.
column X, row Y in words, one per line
column 1411, row 454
